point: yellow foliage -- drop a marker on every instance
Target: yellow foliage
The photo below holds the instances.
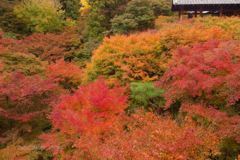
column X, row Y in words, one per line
column 43, row 15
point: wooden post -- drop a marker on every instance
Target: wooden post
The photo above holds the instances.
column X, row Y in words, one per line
column 220, row 12
column 201, row 10
column 195, row 14
column 181, row 14
column 212, row 13
column 235, row 13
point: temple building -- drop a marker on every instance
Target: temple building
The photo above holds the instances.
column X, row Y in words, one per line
column 213, row 7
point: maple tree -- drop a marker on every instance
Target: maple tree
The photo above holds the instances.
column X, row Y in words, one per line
column 68, row 75
column 91, row 111
column 200, row 71
column 142, row 135
column 195, row 63
column 144, row 57
column 206, row 79
column 23, row 98
column 49, row 46
column 25, row 101
column 149, row 136
column 137, row 57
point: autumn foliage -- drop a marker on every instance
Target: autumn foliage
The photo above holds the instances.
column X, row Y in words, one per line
column 167, row 93
column 144, row 57
column 67, row 75
column 24, row 98
column 196, row 73
column 91, row 112
column 48, row 47
column 205, row 79
column 92, row 124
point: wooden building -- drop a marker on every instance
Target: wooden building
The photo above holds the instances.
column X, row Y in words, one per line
column 219, row 7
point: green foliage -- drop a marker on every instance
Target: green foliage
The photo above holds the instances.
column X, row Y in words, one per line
column 10, row 23
column 230, row 149
column 139, row 15
column 9, row 35
column 71, row 8
column 43, row 15
column 4, row 10
column 95, row 22
column 28, row 64
column 161, row 7
column 86, row 52
column 145, row 94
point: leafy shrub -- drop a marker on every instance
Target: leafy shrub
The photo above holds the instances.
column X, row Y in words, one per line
column 164, row 21
column 230, row 24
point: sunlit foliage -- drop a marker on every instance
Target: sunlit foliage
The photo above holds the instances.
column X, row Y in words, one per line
column 43, row 15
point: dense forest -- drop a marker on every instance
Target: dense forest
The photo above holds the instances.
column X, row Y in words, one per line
column 117, row 79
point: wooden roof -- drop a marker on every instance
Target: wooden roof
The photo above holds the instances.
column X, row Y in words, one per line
column 208, row 5
column 202, row 2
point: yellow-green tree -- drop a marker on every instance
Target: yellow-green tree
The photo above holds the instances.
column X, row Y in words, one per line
column 44, row 15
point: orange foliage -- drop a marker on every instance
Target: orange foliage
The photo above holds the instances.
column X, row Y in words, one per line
column 144, row 57
column 66, row 74
column 141, row 136
column 137, row 57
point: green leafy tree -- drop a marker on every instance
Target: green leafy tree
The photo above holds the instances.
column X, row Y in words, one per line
column 161, row 7
column 44, row 15
column 100, row 12
column 86, row 52
column 11, row 24
column 139, row 15
column 145, row 94
column 96, row 22
column 71, row 8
